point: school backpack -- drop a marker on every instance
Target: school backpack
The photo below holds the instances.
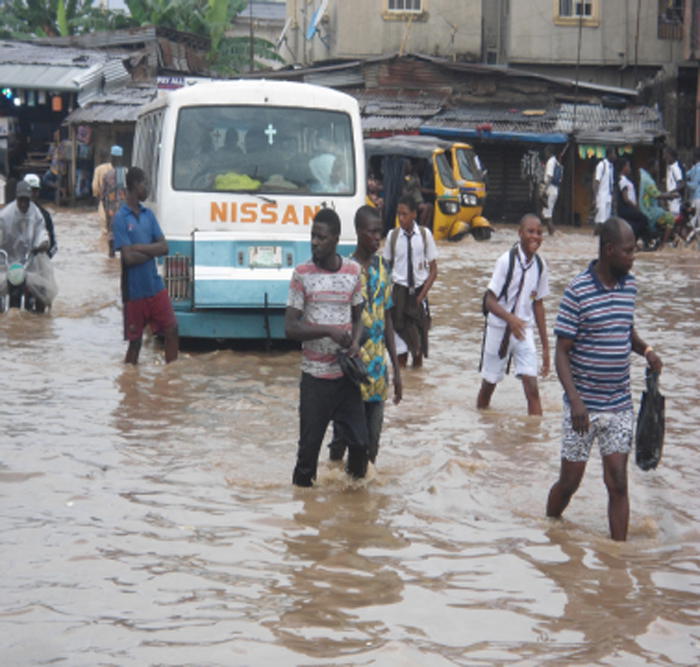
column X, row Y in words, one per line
column 509, row 276
column 557, row 175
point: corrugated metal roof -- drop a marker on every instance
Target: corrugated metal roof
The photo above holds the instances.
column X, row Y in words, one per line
column 28, row 65
column 595, row 123
column 41, row 77
column 391, row 124
column 598, row 124
column 498, row 118
column 120, row 106
column 28, row 53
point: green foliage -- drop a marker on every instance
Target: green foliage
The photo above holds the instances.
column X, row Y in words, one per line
column 210, row 19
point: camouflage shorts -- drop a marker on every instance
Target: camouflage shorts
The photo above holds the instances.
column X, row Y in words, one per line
column 613, row 430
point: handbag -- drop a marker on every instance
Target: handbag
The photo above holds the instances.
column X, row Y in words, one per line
column 649, row 438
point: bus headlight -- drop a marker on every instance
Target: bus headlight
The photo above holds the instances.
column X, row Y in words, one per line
column 449, row 207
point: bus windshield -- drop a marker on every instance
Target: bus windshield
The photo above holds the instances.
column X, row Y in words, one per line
column 469, row 166
column 262, row 149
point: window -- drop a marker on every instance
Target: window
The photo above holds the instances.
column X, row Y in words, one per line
column 147, row 154
column 267, row 150
column 577, row 12
column 575, row 8
column 405, row 5
column 670, row 23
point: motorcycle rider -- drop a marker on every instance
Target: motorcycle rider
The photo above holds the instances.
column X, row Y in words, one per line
column 23, row 234
column 35, row 184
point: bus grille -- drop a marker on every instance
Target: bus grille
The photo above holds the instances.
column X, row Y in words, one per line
column 178, row 277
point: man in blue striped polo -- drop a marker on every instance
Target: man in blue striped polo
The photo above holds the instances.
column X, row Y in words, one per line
column 595, row 336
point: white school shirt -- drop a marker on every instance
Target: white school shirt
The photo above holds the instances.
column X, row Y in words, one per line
column 532, row 288
column 674, row 176
column 421, row 256
column 625, row 183
column 603, row 200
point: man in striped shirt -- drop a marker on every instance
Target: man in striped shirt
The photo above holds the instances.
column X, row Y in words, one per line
column 595, row 336
column 324, row 310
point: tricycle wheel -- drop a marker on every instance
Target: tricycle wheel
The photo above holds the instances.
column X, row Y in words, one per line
column 481, row 233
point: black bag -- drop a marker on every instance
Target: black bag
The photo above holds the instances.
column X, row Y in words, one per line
column 649, row 439
column 353, row 368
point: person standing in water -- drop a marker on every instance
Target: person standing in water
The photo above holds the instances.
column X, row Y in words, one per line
column 595, row 338
column 138, row 237
column 324, row 310
column 515, row 301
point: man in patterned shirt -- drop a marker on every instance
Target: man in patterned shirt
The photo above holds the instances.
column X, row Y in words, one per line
column 595, row 336
column 376, row 319
column 324, row 310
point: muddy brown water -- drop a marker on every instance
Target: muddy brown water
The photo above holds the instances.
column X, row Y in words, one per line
column 148, row 516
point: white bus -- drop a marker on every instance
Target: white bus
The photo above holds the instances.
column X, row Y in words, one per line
column 237, row 171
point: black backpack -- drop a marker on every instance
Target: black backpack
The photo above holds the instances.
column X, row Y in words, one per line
column 509, row 276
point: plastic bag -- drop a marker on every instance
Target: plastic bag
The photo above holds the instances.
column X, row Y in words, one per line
column 40, row 279
column 649, row 439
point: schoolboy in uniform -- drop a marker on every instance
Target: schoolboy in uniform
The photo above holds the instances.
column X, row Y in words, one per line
column 509, row 329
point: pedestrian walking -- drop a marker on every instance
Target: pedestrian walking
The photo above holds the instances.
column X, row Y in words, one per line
column 604, row 188
column 595, row 337
column 113, row 192
column 515, row 301
column 324, row 311
column 412, row 253
column 376, row 320
column 553, row 173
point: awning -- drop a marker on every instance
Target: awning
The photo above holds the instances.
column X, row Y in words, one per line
column 467, row 133
column 42, row 77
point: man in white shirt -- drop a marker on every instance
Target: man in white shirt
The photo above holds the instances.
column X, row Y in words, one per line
column 675, row 183
column 412, row 252
column 553, row 172
column 603, row 188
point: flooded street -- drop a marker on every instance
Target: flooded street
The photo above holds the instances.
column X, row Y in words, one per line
column 148, row 516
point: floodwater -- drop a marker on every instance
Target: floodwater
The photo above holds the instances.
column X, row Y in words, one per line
column 148, row 516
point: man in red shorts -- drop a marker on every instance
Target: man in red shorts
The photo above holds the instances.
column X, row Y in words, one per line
column 137, row 235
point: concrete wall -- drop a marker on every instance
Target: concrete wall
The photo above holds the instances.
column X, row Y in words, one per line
column 609, row 38
column 365, row 28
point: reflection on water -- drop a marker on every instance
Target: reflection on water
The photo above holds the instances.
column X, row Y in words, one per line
column 148, row 515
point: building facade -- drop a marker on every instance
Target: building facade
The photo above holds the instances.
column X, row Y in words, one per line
column 323, row 30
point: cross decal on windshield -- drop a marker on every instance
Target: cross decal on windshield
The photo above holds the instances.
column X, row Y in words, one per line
column 270, row 132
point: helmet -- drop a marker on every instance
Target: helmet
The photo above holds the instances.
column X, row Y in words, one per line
column 33, row 180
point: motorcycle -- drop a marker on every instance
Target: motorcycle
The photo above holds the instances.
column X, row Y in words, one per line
column 685, row 227
column 15, row 290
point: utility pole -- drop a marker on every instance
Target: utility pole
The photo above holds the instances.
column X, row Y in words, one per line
column 252, row 50
column 636, row 42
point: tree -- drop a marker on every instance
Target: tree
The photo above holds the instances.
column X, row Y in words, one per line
column 21, row 19
column 206, row 18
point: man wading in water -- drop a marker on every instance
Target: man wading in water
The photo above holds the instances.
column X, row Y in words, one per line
column 324, row 310
column 595, row 336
